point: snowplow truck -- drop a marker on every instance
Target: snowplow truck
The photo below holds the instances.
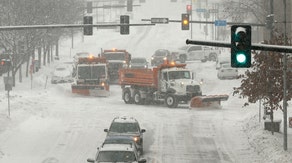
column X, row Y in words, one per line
column 117, row 59
column 91, row 77
column 169, row 83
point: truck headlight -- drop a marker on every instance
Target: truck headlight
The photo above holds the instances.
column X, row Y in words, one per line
column 136, row 139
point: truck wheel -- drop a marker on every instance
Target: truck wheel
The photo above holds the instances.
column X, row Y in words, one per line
column 137, row 98
column 127, row 97
column 171, row 101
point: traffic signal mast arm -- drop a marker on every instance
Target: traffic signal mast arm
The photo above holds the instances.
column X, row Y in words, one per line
column 254, row 46
column 2, row 28
column 212, row 22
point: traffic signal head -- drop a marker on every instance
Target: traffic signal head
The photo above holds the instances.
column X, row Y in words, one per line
column 189, row 9
column 89, row 7
column 87, row 30
column 241, row 46
column 270, row 21
column 125, row 29
column 129, row 5
column 185, row 22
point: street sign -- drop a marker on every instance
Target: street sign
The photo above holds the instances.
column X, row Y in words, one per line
column 220, row 23
column 201, row 10
column 159, row 20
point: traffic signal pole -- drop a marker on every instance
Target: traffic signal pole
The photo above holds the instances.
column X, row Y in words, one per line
column 285, row 82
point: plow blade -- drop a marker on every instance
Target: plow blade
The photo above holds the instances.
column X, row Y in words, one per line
column 90, row 91
column 207, row 101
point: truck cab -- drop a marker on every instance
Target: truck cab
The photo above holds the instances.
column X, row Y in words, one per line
column 178, row 85
column 117, row 59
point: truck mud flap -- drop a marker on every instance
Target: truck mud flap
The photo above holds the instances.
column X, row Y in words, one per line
column 207, row 101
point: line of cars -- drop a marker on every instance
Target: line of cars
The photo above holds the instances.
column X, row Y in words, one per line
column 123, row 143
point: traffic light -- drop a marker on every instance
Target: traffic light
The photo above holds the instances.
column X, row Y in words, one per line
column 270, row 21
column 125, row 29
column 189, row 9
column 87, row 30
column 241, row 46
column 129, row 5
column 89, row 7
column 185, row 22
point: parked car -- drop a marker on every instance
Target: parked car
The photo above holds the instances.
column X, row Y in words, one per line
column 196, row 52
column 138, row 62
column 127, row 126
column 227, row 72
column 159, row 57
column 62, row 74
column 123, row 153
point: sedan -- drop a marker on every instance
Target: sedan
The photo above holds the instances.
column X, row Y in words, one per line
column 227, row 72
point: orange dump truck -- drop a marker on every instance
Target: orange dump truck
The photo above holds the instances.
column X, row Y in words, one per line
column 169, row 83
column 91, row 77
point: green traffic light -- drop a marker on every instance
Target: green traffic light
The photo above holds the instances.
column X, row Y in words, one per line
column 241, row 58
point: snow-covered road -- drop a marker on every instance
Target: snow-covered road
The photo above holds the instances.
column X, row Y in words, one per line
column 49, row 124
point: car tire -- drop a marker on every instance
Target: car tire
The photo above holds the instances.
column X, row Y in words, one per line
column 127, row 96
column 137, row 98
column 171, row 101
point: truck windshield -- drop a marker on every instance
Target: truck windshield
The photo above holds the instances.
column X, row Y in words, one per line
column 115, row 55
column 172, row 75
column 91, row 72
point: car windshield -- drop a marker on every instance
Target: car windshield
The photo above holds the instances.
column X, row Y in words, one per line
column 116, row 156
column 179, row 75
column 124, row 127
column 118, row 141
column 60, row 69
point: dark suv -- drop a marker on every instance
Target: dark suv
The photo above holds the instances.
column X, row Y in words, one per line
column 159, row 57
column 127, row 126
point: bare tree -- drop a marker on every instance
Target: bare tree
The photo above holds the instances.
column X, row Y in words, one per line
column 35, row 12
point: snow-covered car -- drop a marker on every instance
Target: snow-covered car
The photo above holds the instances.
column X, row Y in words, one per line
column 138, row 62
column 127, row 126
column 227, row 72
column 123, row 153
column 159, row 57
column 62, row 74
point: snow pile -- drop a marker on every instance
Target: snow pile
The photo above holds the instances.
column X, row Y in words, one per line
column 269, row 147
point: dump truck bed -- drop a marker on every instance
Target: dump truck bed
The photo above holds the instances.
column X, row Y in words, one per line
column 137, row 77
